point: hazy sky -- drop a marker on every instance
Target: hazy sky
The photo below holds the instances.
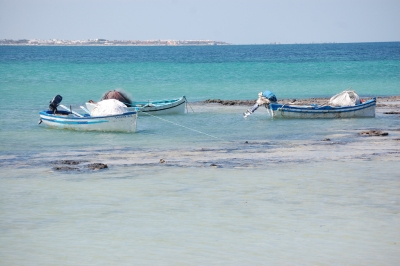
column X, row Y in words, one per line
column 232, row 21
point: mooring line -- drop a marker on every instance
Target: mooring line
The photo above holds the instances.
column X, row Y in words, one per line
column 187, row 103
column 184, row 126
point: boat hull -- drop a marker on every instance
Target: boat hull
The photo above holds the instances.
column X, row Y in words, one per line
column 119, row 123
column 366, row 109
column 163, row 107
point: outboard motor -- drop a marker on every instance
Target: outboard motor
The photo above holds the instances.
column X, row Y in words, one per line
column 264, row 98
column 54, row 104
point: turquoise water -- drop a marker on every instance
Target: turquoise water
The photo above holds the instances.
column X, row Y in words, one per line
column 32, row 76
column 226, row 72
column 234, row 191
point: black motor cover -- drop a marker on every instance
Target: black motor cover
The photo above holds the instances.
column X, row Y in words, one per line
column 54, row 103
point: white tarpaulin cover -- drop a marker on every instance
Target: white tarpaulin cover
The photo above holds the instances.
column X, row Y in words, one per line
column 109, row 107
column 345, row 98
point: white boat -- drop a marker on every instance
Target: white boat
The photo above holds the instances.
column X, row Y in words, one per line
column 125, row 122
column 109, row 115
column 364, row 109
column 160, row 107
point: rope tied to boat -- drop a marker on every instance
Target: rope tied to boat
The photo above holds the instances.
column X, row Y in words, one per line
column 195, row 130
column 187, row 103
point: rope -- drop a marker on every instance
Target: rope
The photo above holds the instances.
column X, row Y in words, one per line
column 187, row 103
column 184, row 126
column 269, row 110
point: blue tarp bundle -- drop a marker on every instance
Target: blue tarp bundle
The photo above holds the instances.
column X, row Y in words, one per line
column 270, row 96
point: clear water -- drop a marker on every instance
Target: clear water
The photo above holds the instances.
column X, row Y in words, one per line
column 286, row 197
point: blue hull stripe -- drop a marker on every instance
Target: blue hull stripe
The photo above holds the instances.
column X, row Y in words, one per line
column 75, row 122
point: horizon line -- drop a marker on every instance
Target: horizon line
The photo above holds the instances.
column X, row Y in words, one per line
column 153, row 42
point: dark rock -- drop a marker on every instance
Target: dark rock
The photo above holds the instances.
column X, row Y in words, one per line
column 231, row 102
column 97, row 166
column 392, row 113
column 326, row 139
column 65, row 168
column 70, row 162
column 374, row 133
column 78, row 166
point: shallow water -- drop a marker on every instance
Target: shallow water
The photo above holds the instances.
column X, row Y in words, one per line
column 299, row 214
column 290, row 199
column 231, row 191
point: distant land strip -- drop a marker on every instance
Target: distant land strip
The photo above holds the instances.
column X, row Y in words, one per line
column 104, row 42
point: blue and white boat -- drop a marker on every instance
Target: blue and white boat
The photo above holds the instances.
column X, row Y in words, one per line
column 159, row 107
column 125, row 122
column 364, row 109
column 69, row 119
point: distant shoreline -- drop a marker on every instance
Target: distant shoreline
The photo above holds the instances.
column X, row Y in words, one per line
column 110, row 43
column 104, row 42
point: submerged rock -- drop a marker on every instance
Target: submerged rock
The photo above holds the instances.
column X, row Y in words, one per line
column 374, row 133
column 65, row 168
column 70, row 162
column 97, row 166
column 392, row 113
column 231, row 102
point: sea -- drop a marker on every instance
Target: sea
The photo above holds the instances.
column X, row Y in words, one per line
column 207, row 187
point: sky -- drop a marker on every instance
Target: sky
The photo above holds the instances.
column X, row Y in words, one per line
column 231, row 21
